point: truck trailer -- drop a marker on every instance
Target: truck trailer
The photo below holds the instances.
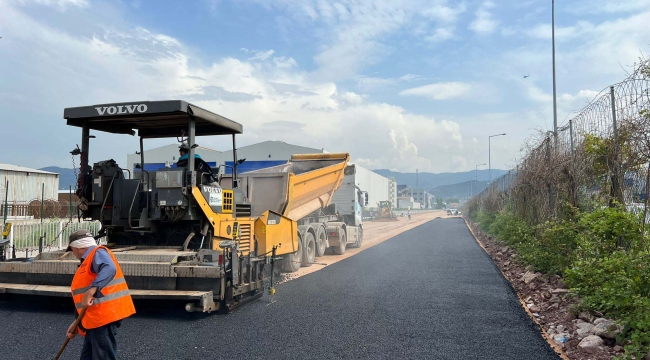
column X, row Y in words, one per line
column 188, row 233
column 334, row 225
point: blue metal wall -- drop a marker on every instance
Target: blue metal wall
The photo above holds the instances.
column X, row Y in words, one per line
column 245, row 167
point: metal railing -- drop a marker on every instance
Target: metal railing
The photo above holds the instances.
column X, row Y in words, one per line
column 27, row 237
column 34, row 208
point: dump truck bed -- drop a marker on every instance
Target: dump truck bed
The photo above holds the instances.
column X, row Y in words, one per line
column 295, row 189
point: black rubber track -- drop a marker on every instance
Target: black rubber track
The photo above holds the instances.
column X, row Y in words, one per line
column 429, row 293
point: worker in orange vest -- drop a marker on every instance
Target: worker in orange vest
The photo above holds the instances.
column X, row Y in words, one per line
column 99, row 286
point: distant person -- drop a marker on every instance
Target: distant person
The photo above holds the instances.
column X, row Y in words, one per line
column 199, row 165
column 98, row 286
column 409, row 214
column 184, row 151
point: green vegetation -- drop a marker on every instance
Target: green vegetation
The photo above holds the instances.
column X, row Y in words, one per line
column 601, row 255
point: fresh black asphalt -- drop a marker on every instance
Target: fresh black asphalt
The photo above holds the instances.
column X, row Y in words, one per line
column 429, row 293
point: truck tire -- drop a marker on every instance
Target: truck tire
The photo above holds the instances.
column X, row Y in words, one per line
column 340, row 250
column 321, row 241
column 309, row 250
column 357, row 244
column 292, row 262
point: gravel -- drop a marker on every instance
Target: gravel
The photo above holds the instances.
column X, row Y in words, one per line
column 429, row 293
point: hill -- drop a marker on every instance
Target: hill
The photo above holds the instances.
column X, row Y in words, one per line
column 66, row 178
column 432, row 181
column 460, row 190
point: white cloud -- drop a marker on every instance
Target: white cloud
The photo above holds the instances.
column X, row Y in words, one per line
column 369, row 84
column 544, row 31
column 484, row 22
column 373, row 83
column 60, row 4
column 273, row 100
column 262, row 55
column 444, row 13
column 285, row 63
column 352, row 33
column 410, row 77
column 598, row 7
column 440, row 34
column 439, row 91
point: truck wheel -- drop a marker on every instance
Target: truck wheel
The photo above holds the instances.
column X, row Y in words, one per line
column 321, row 241
column 340, row 250
column 357, row 244
column 309, row 251
column 293, row 261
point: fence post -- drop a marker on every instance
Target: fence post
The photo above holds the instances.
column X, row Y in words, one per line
column 11, row 252
column 60, row 234
column 70, row 205
column 571, row 135
column 551, row 200
column 611, row 90
column 616, row 185
column 40, row 241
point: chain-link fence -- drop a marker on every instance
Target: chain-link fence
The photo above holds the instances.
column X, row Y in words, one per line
column 601, row 157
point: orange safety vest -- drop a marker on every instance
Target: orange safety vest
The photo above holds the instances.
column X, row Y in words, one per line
column 116, row 304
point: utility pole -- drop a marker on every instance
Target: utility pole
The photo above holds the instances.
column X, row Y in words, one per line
column 490, row 154
column 476, row 175
column 554, row 85
column 417, row 181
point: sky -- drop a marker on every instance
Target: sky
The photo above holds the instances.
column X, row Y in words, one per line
column 400, row 85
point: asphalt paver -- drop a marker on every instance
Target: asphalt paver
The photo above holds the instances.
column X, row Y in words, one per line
column 428, row 293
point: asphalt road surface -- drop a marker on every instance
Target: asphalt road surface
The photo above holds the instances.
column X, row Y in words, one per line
column 429, row 293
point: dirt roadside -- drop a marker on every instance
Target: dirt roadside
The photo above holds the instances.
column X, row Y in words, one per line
column 374, row 232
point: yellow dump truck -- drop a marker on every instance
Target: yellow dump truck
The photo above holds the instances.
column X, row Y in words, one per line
column 327, row 220
column 187, row 232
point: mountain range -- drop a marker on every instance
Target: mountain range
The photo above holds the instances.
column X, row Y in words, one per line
column 66, row 176
column 430, row 181
column 440, row 185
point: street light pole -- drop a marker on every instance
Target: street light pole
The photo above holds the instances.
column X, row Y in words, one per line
column 490, row 154
column 476, row 174
column 554, row 91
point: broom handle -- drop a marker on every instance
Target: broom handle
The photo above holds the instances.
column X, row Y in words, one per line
column 67, row 340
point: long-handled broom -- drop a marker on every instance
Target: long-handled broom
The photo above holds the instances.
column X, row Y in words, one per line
column 67, row 340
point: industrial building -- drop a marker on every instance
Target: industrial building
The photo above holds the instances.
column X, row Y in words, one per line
column 407, row 202
column 420, row 196
column 423, row 197
column 263, row 155
column 27, row 184
column 19, row 186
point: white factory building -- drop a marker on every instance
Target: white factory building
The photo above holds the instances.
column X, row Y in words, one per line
column 25, row 184
column 263, row 155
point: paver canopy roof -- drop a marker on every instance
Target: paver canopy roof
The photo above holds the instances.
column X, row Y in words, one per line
column 151, row 119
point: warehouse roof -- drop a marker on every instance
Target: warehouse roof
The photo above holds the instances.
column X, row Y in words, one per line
column 16, row 168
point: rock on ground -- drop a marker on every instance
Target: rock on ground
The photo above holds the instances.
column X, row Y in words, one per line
column 585, row 329
column 591, row 342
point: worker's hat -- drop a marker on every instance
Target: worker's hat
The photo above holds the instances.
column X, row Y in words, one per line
column 79, row 235
column 184, row 146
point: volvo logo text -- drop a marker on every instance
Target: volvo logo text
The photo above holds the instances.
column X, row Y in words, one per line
column 121, row 109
